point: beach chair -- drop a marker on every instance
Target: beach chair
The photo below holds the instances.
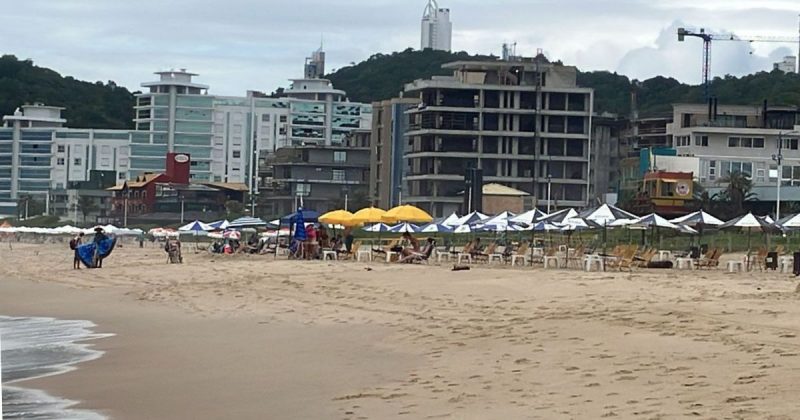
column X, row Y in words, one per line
column 465, row 253
column 520, row 253
column 420, row 257
column 759, row 260
column 485, row 254
column 707, row 260
column 576, row 257
column 646, row 256
column 624, row 260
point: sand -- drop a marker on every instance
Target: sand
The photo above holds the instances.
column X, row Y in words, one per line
column 250, row 337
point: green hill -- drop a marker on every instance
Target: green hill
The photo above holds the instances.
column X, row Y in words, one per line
column 382, row 76
column 88, row 105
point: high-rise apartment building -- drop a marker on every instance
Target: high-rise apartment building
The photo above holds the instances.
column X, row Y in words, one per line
column 437, row 31
column 387, row 162
column 315, row 65
column 525, row 123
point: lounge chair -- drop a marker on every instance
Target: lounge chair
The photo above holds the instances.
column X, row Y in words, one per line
column 521, row 252
column 420, row 257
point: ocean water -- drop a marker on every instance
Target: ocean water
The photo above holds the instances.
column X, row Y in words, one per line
column 36, row 347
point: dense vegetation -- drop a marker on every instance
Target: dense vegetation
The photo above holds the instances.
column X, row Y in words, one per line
column 88, row 105
column 382, row 76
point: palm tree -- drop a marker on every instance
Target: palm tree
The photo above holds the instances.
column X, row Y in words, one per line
column 738, row 190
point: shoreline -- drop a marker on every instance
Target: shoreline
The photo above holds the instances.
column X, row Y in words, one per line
column 252, row 337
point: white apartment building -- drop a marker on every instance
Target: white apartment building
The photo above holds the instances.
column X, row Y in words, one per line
column 744, row 139
column 437, row 31
column 38, row 154
column 223, row 135
column 787, row 65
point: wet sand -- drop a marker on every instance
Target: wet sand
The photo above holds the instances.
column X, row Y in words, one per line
column 251, row 337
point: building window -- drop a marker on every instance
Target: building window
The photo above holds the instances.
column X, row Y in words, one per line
column 701, row 141
column 339, row 157
column 681, row 141
column 77, row 162
column 302, row 189
column 748, row 142
column 712, row 170
column 60, row 161
column 338, row 175
column 265, row 117
column 237, row 154
column 61, row 148
column 283, row 118
column 790, row 144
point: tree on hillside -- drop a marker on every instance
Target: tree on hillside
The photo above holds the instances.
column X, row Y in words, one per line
column 88, row 105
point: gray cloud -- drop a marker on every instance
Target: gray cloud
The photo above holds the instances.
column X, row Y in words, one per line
column 248, row 44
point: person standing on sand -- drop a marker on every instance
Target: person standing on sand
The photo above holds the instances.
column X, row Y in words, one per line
column 73, row 245
column 99, row 236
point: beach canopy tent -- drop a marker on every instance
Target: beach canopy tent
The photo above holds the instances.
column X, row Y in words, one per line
column 606, row 213
column 749, row 222
column 529, row 217
column 162, row 232
column 469, row 219
column 501, row 226
column 789, row 222
column 576, row 223
column 378, row 228
column 465, row 229
column 698, row 218
column 436, row 228
column 406, row 213
column 337, row 217
column 559, row 216
column 246, row 221
column 542, row 227
column 404, row 228
column 500, row 218
column 305, row 214
column 219, row 225
column 195, row 227
column 368, row 215
column 653, row 220
column 449, row 220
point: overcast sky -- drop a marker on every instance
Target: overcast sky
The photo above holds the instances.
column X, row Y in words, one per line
column 236, row 45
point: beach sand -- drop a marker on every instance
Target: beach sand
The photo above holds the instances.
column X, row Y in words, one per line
column 249, row 337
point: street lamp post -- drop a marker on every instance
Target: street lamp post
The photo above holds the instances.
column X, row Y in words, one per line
column 549, row 185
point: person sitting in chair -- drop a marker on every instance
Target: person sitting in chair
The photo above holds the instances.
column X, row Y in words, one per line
column 421, row 255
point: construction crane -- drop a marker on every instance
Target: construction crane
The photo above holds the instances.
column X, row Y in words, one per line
column 708, row 37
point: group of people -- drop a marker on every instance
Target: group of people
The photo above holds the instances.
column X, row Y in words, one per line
column 318, row 240
column 78, row 240
column 410, row 249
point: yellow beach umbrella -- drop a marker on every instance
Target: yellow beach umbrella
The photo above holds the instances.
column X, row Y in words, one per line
column 407, row 213
column 368, row 215
column 337, row 217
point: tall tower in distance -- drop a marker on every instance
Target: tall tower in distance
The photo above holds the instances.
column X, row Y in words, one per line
column 315, row 65
column 437, row 31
